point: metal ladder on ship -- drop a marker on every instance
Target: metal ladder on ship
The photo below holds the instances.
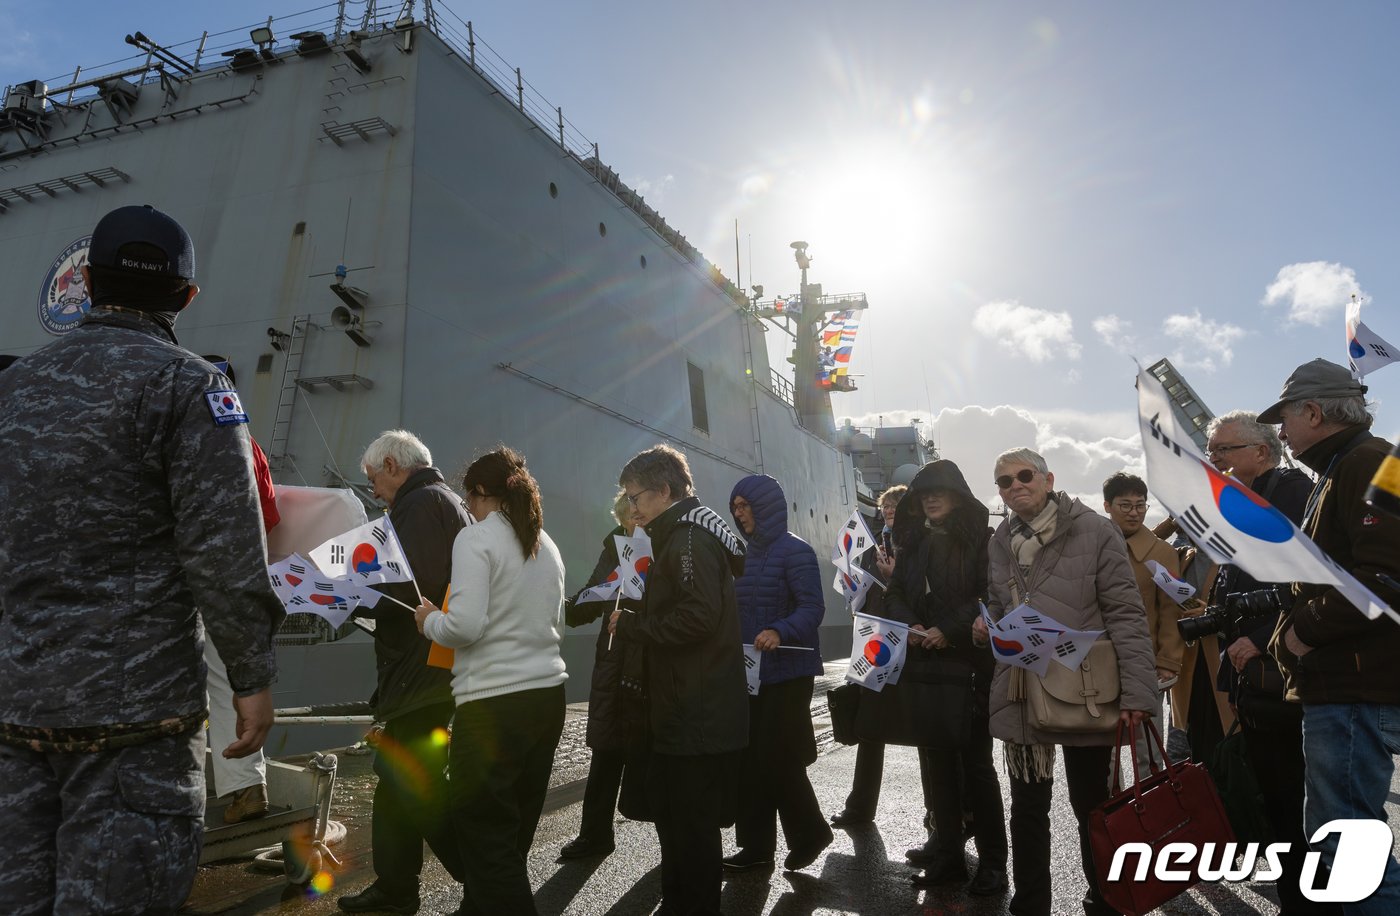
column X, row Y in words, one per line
column 278, row 457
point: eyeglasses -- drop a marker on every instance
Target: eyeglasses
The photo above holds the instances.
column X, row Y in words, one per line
column 1025, row 475
column 1132, row 508
column 1219, row 450
column 633, row 497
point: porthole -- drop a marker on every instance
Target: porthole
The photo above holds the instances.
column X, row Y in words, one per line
column 811, row 513
column 644, row 262
column 826, row 519
column 602, row 228
column 553, row 189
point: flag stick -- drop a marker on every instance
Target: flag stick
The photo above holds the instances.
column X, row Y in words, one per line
column 616, row 602
column 400, row 603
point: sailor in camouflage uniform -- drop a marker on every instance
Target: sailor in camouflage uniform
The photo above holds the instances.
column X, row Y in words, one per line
column 127, row 502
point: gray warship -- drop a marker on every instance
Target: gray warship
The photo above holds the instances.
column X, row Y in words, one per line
column 395, row 230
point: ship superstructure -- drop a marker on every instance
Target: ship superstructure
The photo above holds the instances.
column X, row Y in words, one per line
column 393, row 230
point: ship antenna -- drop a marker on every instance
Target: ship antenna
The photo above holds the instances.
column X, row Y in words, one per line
column 345, row 238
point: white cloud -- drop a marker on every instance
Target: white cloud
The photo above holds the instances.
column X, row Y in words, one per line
column 1036, row 334
column 1206, row 344
column 1115, row 332
column 1313, row 290
column 1081, row 447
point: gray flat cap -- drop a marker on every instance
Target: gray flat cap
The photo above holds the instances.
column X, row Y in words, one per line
column 1317, row 379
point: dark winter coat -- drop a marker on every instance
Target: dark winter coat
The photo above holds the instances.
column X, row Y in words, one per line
column 427, row 516
column 688, row 626
column 1353, row 658
column 940, row 575
column 610, row 712
column 781, row 587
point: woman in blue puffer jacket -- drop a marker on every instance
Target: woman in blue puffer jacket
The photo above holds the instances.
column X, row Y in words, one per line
column 780, row 611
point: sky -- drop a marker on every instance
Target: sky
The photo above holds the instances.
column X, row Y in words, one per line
column 1030, row 194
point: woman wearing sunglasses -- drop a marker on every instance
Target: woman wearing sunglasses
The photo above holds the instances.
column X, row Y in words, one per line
column 1067, row 562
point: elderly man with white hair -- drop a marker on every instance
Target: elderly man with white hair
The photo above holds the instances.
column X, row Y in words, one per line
column 413, row 699
column 1066, row 561
column 1340, row 664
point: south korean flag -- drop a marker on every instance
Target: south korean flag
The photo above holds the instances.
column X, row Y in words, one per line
column 753, row 662
column 1227, row 520
column 877, row 652
column 1176, row 589
column 633, row 563
column 852, row 540
column 370, row 553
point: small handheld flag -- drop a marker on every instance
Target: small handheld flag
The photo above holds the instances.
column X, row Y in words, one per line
column 877, row 652
column 852, row 540
column 1028, row 639
column 371, row 553
column 1176, row 589
column 753, row 660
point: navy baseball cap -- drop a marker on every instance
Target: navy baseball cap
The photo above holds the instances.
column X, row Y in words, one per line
column 143, row 240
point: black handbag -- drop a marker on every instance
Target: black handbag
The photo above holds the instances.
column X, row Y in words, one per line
column 934, row 710
column 843, row 703
column 1233, row 773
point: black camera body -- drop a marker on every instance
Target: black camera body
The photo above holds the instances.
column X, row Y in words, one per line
column 1226, row 618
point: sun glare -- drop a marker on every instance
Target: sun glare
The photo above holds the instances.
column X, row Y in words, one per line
column 881, row 206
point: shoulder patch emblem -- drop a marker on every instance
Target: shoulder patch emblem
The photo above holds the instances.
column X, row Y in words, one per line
column 1369, row 520
column 225, row 407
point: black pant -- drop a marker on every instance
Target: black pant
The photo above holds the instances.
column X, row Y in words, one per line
column 865, row 784
column 600, row 794
column 1203, row 730
column 774, row 785
column 1276, row 756
column 410, row 801
column 966, row 779
column 502, row 753
column 1087, row 772
column 689, row 797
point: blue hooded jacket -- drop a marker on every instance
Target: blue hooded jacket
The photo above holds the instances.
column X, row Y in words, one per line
column 781, row 587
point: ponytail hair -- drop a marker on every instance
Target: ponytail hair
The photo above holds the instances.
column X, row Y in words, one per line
column 501, row 474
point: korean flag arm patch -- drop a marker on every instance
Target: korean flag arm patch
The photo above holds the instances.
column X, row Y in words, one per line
column 225, row 407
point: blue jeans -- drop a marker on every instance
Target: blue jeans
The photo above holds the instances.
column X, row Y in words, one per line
column 1348, row 748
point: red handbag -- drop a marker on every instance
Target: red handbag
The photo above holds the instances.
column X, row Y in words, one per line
column 1176, row 803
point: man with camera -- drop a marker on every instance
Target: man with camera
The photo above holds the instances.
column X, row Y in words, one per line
column 1339, row 664
column 1244, row 612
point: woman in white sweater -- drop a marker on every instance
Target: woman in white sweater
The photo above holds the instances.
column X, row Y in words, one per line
column 502, row 620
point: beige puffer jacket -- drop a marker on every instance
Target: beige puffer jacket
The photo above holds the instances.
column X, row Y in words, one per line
column 1082, row 578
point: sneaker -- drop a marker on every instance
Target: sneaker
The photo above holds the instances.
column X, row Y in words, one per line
column 374, row 900
column 748, row 858
column 247, row 804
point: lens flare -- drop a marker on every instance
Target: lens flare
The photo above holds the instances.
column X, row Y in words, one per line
column 439, row 737
column 322, row 883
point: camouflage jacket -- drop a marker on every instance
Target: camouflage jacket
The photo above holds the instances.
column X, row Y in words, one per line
column 128, row 525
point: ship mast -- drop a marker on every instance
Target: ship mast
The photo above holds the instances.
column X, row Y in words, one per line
column 803, row 320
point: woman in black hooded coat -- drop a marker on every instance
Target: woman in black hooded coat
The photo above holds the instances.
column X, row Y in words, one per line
column 939, row 581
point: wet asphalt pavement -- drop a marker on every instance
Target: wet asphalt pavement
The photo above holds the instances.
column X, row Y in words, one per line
column 862, row 872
